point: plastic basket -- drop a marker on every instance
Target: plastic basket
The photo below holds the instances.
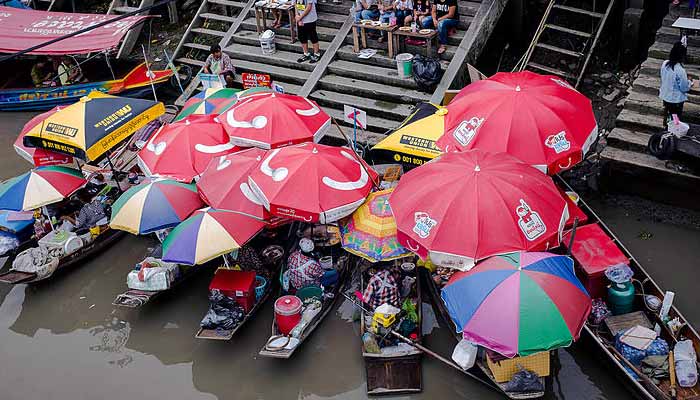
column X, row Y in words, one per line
column 260, row 285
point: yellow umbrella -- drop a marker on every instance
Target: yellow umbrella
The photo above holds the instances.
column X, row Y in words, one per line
column 371, row 230
column 94, row 125
column 413, row 142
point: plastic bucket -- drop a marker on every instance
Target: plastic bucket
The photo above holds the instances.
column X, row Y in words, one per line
column 309, row 292
column 267, row 42
column 287, row 313
column 404, row 65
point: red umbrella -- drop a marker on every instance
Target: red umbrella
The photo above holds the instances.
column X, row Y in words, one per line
column 539, row 119
column 270, row 120
column 39, row 157
column 464, row 207
column 312, row 182
column 224, row 184
column 182, row 150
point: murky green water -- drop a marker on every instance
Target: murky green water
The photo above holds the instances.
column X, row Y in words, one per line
column 63, row 339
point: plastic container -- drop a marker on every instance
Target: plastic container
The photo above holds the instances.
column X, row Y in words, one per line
column 308, row 292
column 326, row 262
column 621, row 298
column 404, row 65
column 685, row 360
column 465, row 354
column 267, row 42
column 260, row 285
column 287, row 313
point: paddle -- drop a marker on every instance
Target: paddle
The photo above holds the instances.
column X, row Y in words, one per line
column 423, row 348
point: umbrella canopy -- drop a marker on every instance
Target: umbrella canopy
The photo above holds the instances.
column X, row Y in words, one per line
column 224, row 184
column 39, row 157
column 371, row 230
column 208, row 234
column 39, row 187
column 270, row 120
column 413, row 142
column 182, row 150
column 208, row 102
column 312, row 182
column 539, row 119
column 94, row 125
column 153, row 206
column 464, row 207
column 519, row 303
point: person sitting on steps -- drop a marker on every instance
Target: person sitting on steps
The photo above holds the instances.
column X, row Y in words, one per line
column 366, row 9
column 421, row 9
column 306, row 18
column 403, row 11
column 386, row 7
column 443, row 18
column 220, row 64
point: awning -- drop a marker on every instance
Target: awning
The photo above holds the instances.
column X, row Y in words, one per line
column 22, row 29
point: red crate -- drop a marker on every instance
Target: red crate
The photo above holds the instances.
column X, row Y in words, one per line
column 239, row 285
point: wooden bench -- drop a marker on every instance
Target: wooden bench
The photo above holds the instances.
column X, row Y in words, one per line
column 261, row 17
column 390, row 30
column 429, row 38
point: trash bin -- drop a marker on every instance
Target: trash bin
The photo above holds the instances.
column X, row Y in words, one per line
column 267, row 42
column 404, row 65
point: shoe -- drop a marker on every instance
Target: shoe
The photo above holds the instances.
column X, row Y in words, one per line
column 314, row 58
column 305, row 57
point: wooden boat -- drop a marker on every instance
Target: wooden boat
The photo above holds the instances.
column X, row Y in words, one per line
column 397, row 373
column 480, row 369
column 101, row 242
column 342, row 265
column 17, row 94
column 604, row 340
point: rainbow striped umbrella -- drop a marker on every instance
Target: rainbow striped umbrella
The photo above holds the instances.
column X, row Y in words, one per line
column 208, row 101
column 207, row 234
column 518, row 303
column 39, row 187
column 371, row 230
column 154, row 206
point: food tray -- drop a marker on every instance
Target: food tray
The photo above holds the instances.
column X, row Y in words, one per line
column 425, row 31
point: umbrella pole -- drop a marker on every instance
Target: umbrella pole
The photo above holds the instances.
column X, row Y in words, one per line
column 114, row 173
column 354, row 151
column 573, row 233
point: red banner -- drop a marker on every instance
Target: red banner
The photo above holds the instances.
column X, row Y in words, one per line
column 255, row 80
column 21, row 29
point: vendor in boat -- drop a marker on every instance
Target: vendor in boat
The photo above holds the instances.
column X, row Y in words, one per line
column 91, row 214
column 304, row 268
column 382, row 288
column 42, row 73
column 220, row 64
column 68, row 72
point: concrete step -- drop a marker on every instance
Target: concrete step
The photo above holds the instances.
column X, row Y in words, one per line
column 190, row 61
column 652, row 105
column 282, row 43
column 281, row 74
column 650, row 85
column 670, row 35
column 629, row 140
column 208, row 32
column 361, row 87
column 280, row 58
column 383, row 48
column 217, row 17
column 332, row 20
column 652, row 66
column 228, row 3
column 374, row 108
column 324, row 34
column 371, row 73
column 640, row 122
column 661, row 51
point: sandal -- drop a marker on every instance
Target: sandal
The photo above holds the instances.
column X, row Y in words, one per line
column 441, row 50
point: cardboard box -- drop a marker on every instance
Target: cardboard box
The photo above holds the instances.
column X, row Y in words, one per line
column 504, row 369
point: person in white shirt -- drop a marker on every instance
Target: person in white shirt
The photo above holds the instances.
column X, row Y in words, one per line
column 306, row 18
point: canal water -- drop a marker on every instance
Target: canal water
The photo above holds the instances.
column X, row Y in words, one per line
column 63, row 339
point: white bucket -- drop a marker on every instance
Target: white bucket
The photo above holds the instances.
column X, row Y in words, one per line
column 267, row 42
column 404, row 65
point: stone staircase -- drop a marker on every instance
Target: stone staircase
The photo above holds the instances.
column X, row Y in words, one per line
column 628, row 163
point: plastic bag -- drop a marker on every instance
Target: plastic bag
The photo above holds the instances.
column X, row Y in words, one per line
column 599, row 311
column 619, row 273
column 465, row 353
column 524, row 381
column 686, row 368
column 224, row 313
column 427, row 73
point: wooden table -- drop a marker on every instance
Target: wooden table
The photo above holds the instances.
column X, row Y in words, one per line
column 390, row 30
column 261, row 20
column 428, row 37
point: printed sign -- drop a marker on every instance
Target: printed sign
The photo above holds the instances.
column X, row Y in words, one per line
column 530, row 221
column 61, row 130
column 424, row 224
column 256, row 80
column 350, row 114
column 558, row 142
column 466, row 131
column 211, row 81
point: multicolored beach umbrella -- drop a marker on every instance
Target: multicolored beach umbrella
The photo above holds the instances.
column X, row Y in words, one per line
column 370, row 232
column 518, row 303
column 154, row 206
column 207, row 234
column 39, row 187
column 208, row 102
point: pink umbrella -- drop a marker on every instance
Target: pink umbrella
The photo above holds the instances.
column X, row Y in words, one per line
column 312, row 182
column 270, row 120
column 39, row 157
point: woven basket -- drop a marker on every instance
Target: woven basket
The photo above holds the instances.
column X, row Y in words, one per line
column 503, row 370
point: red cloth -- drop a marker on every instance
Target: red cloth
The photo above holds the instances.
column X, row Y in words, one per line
column 21, row 29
